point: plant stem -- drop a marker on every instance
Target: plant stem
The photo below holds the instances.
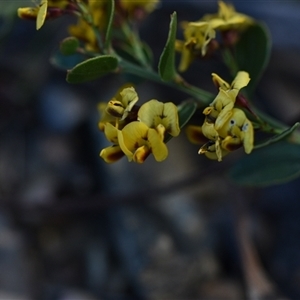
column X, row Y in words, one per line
column 200, row 95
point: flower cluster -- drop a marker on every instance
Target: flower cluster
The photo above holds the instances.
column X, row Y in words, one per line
column 93, row 13
column 137, row 131
column 199, row 37
column 225, row 127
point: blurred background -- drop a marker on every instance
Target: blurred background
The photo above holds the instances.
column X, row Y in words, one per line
column 75, row 228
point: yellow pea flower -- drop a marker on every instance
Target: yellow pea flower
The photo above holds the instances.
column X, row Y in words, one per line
column 113, row 153
column 84, row 31
column 122, row 103
column 137, row 141
column 107, row 118
column 241, row 80
column 225, row 100
column 211, row 151
column 228, row 18
column 28, row 13
column 195, row 135
column 156, row 114
column 47, row 9
column 239, row 129
column 197, row 36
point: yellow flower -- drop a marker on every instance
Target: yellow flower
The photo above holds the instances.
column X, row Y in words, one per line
column 84, row 31
column 29, row 13
column 238, row 130
column 122, row 103
column 227, row 18
column 156, row 114
column 45, row 10
column 209, row 148
column 137, row 141
column 211, row 151
column 225, row 100
column 113, row 153
column 197, row 36
column 227, row 128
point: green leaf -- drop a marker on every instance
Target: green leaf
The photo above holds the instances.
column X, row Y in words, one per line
column 185, row 111
column 267, row 166
column 69, row 45
column 253, row 53
column 166, row 65
column 92, row 69
column 278, row 137
column 110, row 12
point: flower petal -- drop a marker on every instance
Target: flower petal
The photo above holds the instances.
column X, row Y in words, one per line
column 195, row 135
column 219, row 82
column 153, row 113
column 131, row 137
column 111, row 133
column 141, row 154
column 241, row 80
column 158, row 147
column 129, row 98
column 111, row 154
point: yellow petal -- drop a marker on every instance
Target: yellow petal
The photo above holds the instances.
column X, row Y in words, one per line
column 195, row 135
column 28, row 13
column 129, row 98
column 131, row 137
column 241, row 80
column 153, row 113
column 248, row 137
column 209, row 131
column 41, row 16
column 219, row 82
column 123, row 147
column 141, row 154
column 158, row 147
column 111, row 154
column 171, row 121
column 111, row 133
column 231, row 143
column 223, row 103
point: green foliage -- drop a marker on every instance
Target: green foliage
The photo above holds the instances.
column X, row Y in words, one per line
column 69, row 46
column 185, row 111
column 166, row 66
column 110, row 12
column 253, row 53
column 278, row 137
column 92, row 69
column 271, row 165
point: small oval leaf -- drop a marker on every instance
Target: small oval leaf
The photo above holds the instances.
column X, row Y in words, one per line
column 166, row 65
column 271, row 165
column 253, row 53
column 69, row 45
column 92, row 69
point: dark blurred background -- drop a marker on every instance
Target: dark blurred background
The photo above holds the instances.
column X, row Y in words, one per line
column 75, row 228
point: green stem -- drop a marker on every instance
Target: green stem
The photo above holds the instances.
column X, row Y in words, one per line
column 200, row 95
column 133, row 40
